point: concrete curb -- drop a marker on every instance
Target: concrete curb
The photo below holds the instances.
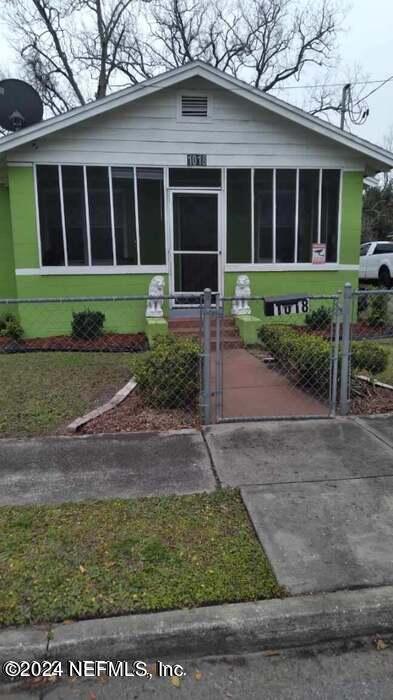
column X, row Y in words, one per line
column 114, row 401
column 220, row 629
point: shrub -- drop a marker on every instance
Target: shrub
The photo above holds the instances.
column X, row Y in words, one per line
column 168, row 375
column 10, row 327
column 87, row 325
column 307, row 357
column 368, row 356
column 378, row 314
column 319, row 319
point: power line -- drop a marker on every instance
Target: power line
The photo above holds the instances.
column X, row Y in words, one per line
column 321, row 85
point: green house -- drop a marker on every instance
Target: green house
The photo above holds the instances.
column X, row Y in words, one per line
column 192, row 175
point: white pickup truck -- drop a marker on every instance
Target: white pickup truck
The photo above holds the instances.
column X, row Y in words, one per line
column 376, row 262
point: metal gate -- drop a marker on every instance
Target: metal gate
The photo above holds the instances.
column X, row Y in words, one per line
column 272, row 369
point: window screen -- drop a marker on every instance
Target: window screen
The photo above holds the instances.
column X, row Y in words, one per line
column 263, row 215
column 151, row 215
column 124, row 215
column 329, row 212
column 194, row 177
column 100, row 217
column 285, row 215
column 239, row 216
column 75, row 214
column 308, row 213
column 51, row 230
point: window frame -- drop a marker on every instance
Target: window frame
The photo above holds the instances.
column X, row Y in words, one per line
column 91, row 268
column 295, row 265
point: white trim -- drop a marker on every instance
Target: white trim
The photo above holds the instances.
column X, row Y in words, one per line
column 37, row 215
column 320, row 204
column 87, row 214
column 380, row 156
column 295, row 252
column 92, row 270
column 136, row 208
column 340, row 211
column 274, row 219
column 288, row 267
column 252, row 216
column 62, row 214
column 112, row 213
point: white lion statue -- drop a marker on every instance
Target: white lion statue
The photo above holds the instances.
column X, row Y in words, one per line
column 240, row 305
column 155, row 304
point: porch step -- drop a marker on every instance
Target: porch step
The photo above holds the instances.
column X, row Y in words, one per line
column 190, row 328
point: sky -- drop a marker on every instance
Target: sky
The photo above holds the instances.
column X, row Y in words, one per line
column 367, row 41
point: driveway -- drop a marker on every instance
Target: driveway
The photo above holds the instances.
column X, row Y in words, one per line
column 320, row 496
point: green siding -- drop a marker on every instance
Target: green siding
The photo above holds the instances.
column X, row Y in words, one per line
column 7, row 266
column 280, row 283
column 351, row 217
column 50, row 319
column 23, row 216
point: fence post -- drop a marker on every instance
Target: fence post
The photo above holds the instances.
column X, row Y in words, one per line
column 345, row 349
column 206, row 376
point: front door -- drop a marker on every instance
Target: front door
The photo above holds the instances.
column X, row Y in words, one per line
column 195, row 244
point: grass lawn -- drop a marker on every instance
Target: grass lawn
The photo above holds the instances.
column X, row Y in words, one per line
column 108, row 558
column 42, row 391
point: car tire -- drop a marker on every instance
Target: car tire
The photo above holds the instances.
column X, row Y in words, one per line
column 384, row 277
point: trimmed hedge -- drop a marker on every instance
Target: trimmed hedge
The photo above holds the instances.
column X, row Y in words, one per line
column 10, row 327
column 87, row 325
column 369, row 356
column 168, row 375
column 308, row 357
column 305, row 356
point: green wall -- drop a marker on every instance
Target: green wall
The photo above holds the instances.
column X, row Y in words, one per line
column 23, row 216
column 55, row 318
column 281, row 283
column 7, row 265
column 351, row 217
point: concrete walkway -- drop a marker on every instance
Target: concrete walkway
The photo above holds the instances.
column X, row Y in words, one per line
column 252, row 388
column 52, row 470
column 319, row 492
column 320, row 496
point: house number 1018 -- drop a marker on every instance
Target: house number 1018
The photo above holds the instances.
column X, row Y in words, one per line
column 196, row 159
column 301, row 306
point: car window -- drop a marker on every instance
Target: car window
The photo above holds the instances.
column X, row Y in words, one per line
column 365, row 248
column 383, row 248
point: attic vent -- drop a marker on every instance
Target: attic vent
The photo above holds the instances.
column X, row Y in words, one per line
column 194, row 106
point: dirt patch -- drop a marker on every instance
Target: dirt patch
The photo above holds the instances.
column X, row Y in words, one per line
column 134, row 416
column 368, row 399
column 109, row 342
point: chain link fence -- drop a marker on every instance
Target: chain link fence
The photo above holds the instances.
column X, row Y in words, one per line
column 279, row 366
column 98, row 337
column 367, row 351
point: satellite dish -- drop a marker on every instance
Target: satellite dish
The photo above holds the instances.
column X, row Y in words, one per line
column 20, row 105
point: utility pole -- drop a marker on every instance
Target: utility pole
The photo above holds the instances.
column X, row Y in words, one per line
column 344, row 102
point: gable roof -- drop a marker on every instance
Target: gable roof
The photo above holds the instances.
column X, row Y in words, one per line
column 382, row 159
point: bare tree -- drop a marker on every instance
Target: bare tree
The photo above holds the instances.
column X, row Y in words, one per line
column 77, row 50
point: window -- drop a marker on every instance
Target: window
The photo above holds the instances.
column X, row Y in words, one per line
column 124, row 213
column 263, row 215
column 151, row 215
column 95, row 215
column 194, row 106
column 365, row 248
column 308, row 213
column 329, row 214
column 239, row 216
column 285, row 215
column 194, row 177
column 383, row 248
column 75, row 214
column 292, row 209
column 52, row 244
